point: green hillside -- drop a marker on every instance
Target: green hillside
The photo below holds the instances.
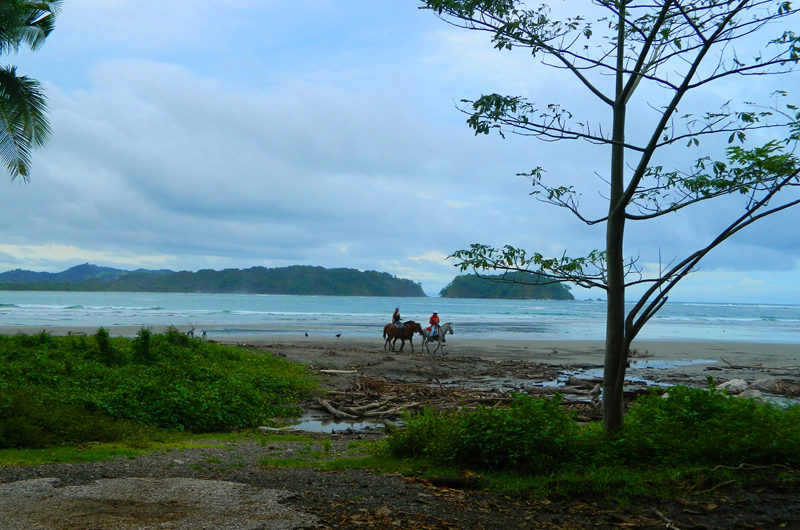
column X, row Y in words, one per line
column 516, row 286
column 301, row 280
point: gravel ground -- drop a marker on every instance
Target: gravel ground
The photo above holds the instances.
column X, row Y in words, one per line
column 228, row 487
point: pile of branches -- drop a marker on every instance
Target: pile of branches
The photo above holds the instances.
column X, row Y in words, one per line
column 520, row 370
column 376, row 398
column 786, row 387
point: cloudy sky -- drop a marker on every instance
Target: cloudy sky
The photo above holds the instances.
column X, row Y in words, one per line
column 196, row 134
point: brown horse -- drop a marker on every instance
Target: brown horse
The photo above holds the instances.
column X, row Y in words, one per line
column 406, row 333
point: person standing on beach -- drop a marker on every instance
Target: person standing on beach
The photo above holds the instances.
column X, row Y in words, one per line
column 434, row 321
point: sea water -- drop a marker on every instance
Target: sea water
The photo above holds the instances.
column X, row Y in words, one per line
column 265, row 315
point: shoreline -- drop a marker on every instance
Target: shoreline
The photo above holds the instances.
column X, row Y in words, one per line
column 546, row 351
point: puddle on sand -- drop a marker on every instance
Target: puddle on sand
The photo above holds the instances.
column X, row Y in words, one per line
column 642, row 364
column 314, row 423
column 630, row 374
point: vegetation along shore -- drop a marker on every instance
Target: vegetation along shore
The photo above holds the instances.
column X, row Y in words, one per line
column 114, row 431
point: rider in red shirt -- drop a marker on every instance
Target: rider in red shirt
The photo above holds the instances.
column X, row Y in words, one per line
column 434, row 321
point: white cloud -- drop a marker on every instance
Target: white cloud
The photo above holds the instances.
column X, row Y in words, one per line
column 52, row 258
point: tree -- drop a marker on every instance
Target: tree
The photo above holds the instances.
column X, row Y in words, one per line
column 23, row 123
column 644, row 56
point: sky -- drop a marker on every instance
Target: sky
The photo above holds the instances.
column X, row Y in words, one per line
column 195, row 135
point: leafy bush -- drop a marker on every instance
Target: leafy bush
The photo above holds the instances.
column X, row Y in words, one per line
column 692, row 425
column 106, row 352
column 31, row 421
column 530, row 436
column 75, row 389
column 428, row 434
column 175, row 337
column 141, row 347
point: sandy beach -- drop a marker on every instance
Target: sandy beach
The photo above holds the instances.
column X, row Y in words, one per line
column 505, row 364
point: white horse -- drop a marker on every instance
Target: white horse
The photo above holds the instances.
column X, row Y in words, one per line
column 444, row 329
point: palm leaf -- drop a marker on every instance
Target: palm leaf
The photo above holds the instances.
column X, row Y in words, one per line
column 26, row 22
column 23, row 121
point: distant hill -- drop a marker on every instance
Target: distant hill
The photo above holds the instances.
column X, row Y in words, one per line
column 296, row 279
column 522, row 286
column 75, row 274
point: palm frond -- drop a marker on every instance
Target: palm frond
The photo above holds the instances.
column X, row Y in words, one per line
column 26, row 22
column 23, row 121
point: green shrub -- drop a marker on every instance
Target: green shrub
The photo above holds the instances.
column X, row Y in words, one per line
column 530, row 436
column 428, row 434
column 707, row 427
column 175, row 337
column 689, row 428
column 142, row 353
column 106, row 352
column 61, row 389
column 28, row 420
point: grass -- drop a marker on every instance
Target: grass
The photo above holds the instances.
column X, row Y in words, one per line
column 103, row 451
column 78, row 389
column 67, row 454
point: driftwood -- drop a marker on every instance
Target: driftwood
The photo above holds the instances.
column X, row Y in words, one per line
column 338, row 372
column 265, row 429
column 375, row 398
column 336, row 412
column 741, row 366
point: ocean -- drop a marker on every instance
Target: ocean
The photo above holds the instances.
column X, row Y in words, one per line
column 265, row 315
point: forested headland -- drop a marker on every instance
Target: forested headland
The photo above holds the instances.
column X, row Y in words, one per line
column 295, row 280
column 515, row 286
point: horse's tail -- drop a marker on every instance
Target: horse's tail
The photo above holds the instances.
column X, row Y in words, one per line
column 384, row 333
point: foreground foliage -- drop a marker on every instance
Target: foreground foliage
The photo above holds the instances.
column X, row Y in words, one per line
column 689, row 435
column 76, row 389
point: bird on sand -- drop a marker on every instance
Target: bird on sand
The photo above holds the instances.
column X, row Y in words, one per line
column 338, row 335
column 306, row 333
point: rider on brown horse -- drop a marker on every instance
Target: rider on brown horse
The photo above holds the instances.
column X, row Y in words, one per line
column 405, row 333
column 396, row 320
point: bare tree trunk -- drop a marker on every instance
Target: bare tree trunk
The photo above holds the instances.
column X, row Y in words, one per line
column 615, row 360
column 615, row 349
